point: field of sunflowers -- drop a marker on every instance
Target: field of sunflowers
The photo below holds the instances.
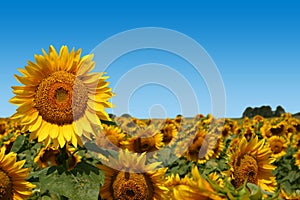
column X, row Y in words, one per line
column 61, row 144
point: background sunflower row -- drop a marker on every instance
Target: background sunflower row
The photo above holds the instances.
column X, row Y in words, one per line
column 240, row 159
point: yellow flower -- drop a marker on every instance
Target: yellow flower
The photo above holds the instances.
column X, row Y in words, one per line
column 48, row 156
column 274, row 127
column 252, row 161
column 216, row 178
column 201, row 149
column 286, row 196
column 192, row 188
column 3, row 126
column 133, row 180
column 111, row 137
column 60, row 99
column 278, row 145
column 147, row 139
column 296, row 141
column 258, row 119
column 169, row 132
column 297, row 158
column 13, row 184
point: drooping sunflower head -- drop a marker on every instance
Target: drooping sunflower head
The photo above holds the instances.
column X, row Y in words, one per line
column 60, row 99
column 252, row 161
column 278, row 145
column 49, row 156
column 13, row 184
column 46, row 157
column 132, row 179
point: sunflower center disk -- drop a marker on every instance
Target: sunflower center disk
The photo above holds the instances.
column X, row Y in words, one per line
column 131, row 186
column 248, row 168
column 6, row 186
column 61, row 98
column 276, row 147
column 2, row 128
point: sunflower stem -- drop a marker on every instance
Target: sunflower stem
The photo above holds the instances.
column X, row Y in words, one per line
column 64, row 157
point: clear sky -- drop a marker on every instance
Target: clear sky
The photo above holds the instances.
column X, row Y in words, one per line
column 255, row 45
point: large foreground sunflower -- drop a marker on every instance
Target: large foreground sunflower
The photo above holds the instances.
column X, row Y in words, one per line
column 60, row 99
column 252, row 161
column 128, row 183
column 12, row 177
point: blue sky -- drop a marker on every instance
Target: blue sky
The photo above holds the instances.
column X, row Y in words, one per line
column 254, row 44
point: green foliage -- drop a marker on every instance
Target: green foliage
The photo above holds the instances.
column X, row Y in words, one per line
column 83, row 182
column 287, row 173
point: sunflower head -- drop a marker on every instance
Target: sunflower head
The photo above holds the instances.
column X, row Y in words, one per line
column 49, row 156
column 111, row 137
column 126, row 181
column 13, row 184
column 60, row 99
column 252, row 161
column 278, row 145
column 3, row 126
column 169, row 132
column 279, row 129
column 296, row 141
column 192, row 186
column 46, row 157
column 146, row 140
column 201, row 148
column 297, row 158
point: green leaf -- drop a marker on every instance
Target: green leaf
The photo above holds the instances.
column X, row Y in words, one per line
column 83, row 182
column 18, row 144
column 109, row 122
column 255, row 191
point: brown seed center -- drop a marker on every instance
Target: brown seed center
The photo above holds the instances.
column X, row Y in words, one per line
column 247, row 168
column 131, row 186
column 6, row 186
column 61, row 98
column 276, row 147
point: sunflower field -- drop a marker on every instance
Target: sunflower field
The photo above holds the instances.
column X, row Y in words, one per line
column 62, row 144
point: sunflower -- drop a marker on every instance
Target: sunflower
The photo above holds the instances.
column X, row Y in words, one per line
column 275, row 127
column 169, row 132
column 278, row 145
column 286, row 196
column 201, row 149
column 111, row 137
column 194, row 187
column 252, row 161
column 296, row 141
column 132, row 178
column 49, row 156
column 214, row 176
column 60, row 98
column 13, row 184
column 148, row 139
column 297, row 158
column 3, row 126
column 258, row 119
